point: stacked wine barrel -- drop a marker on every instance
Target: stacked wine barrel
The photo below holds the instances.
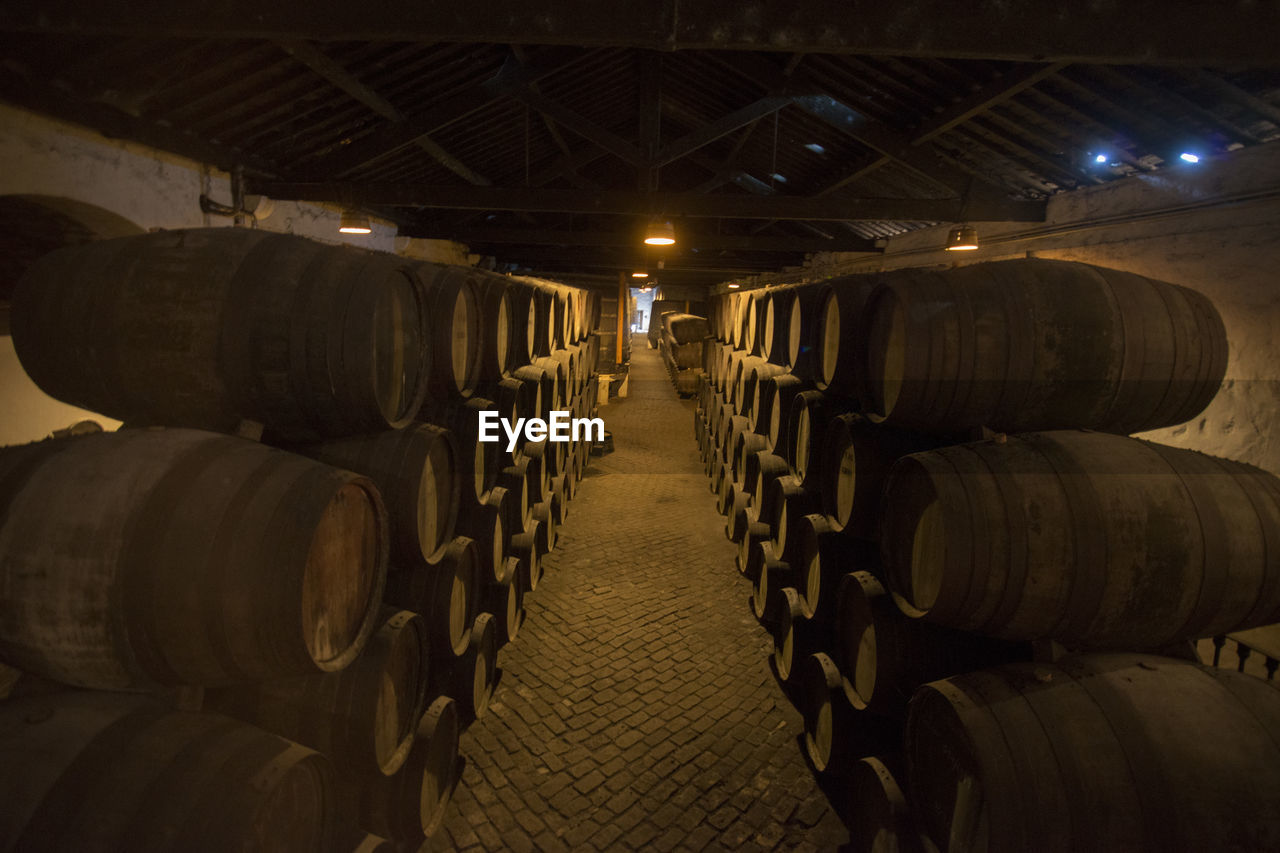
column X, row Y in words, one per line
column 978, row 585
column 681, row 343
column 297, row 560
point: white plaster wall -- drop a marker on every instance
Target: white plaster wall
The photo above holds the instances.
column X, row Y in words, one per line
column 153, row 189
column 1231, row 253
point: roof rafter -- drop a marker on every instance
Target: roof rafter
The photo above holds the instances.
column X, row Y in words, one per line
column 669, row 204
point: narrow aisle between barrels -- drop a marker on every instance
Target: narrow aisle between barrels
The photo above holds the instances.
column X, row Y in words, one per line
column 636, row 707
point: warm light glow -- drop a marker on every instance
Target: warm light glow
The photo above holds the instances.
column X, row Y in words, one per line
column 1189, row 157
column 354, row 223
column 962, row 239
column 660, row 234
column 640, row 274
column 733, row 285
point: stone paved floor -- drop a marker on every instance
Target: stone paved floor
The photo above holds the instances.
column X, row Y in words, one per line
column 636, row 708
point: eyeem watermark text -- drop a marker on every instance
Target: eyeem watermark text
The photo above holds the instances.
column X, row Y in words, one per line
column 561, row 427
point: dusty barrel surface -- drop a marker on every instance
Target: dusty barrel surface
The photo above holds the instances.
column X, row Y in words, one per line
column 1163, row 544
column 498, row 321
column 840, row 307
column 876, row 809
column 1106, row 753
column 478, row 461
column 884, row 655
column 206, row 327
column 454, row 308
column 836, row 735
column 364, row 717
column 446, row 595
column 856, row 456
column 416, row 470
column 1037, row 344
column 803, row 323
column 104, row 771
column 411, row 804
column 177, row 556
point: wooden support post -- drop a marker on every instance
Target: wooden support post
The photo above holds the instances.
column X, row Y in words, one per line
column 624, row 312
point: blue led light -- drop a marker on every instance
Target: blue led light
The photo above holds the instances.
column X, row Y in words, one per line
column 1189, row 157
column 1101, row 158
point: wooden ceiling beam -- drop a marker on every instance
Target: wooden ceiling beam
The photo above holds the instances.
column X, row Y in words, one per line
column 513, row 77
column 484, row 235
column 669, row 204
column 334, row 73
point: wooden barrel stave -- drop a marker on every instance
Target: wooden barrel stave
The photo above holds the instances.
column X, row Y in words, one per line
column 364, row 717
column 1146, row 561
column 1105, row 752
column 91, row 770
column 215, row 560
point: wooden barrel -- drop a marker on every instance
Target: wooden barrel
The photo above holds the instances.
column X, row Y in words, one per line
column 1106, row 753
column 529, row 548
column 471, row 678
column 169, row 557
column 364, row 717
column 773, row 575
column 105, row 771
column 410, row 805
column 766, row 494
column 416, row 472
column 884, row 656
column 840, row 309
column 803, row 320
column 505, row 600
column 478, row 462
column 525, row 327
column 811, row 412
column 498, row 338
column 761, row 464
column 491, row 529
column 526, row 485
column 446, row 595
column 786, row 500
column 836, row 735
column 548, row 517
column 823, row 557
column 733, row 427
column 796, row 636
column 785, row 389
column 737, row 518
column 790, row 612
column 511, row 401
column 749, row 556
column 1163, row 544
column 1037, row 344
column 456, row 318
column 877, row 812
column 547, row 376
column 856, row 457
column 752, row 374
column 745, row 444
column 775, row 331
column 206, row 327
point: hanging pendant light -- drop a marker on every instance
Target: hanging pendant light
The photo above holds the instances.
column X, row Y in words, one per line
column 963, row 238
column 660, row 234
column 354, row 222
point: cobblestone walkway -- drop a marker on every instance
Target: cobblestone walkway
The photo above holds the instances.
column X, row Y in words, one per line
column 636, row 708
